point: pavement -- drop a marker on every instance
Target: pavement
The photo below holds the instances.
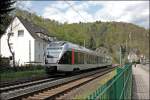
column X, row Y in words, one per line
column 140, row 82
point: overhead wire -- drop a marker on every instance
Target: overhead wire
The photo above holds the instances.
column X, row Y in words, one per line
column 75, row 10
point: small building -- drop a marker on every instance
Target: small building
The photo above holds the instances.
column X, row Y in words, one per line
column 28, row 42
column 133, row 57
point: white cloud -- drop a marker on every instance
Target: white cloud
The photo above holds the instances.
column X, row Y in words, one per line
column 127, row 11
column 23, row 4
column 59, row 5
column 73, row 14
column 54, row 13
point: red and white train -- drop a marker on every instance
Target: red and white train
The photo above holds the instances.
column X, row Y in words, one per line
column 66, row 56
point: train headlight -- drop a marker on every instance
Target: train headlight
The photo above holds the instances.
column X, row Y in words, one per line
column 57, row 61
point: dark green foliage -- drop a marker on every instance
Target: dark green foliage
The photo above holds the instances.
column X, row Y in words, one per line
column 4, row 61
column 19, row 75
column 5, row 9
column 7, row 69
column 5, row 6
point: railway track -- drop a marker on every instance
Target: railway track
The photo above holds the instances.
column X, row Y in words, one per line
column 53, row 88
column 21, row 80
column 4, row 84
column 22, row 85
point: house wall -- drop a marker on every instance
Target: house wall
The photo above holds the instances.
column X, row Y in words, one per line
column 40, row 46
column 20, row 45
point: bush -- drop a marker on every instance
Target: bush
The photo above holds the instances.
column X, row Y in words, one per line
column 4, row 61
column 21, row 74
column 4, row 69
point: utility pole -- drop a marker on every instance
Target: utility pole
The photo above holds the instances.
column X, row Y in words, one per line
column 126, row 44
column 84, row 43
column 120, row 55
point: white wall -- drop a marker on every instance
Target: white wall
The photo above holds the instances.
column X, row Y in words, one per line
column 40, row 46
column 20, row 44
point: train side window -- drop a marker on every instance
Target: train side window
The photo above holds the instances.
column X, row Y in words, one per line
column 76, row 57
column 97, row 59
column 65, row 58
column 82, row 58
column 68, row 57
column 79, row 58
column 93, row 59
column 87, row 59
column 90, row 59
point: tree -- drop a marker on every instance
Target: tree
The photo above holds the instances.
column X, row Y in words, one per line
column 10, row 49
column 5, row 9
column 92, row 44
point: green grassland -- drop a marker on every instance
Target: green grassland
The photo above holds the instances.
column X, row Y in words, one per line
column 21, row 74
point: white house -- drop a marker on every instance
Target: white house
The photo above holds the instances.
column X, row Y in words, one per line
column 132, row 57
column 28, row 42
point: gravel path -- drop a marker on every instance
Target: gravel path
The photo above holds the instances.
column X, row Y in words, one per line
column 140, row 83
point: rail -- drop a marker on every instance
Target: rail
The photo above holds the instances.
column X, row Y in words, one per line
column 118, row 88
column 30, row 90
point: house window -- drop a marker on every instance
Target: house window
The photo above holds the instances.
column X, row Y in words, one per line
column 20, row 33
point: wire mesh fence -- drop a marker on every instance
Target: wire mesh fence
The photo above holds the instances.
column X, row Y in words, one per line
column 118, row 88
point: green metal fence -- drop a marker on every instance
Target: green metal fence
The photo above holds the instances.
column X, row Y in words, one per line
column 118, row 88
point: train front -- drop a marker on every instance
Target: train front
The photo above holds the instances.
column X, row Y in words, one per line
column 53, row 55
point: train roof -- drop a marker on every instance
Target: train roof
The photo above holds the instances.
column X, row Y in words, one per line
column 69, row 45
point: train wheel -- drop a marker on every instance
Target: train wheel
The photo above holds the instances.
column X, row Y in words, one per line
column 76, row 70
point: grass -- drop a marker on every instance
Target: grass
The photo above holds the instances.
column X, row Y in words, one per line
column 91, row 88
column 21, row 74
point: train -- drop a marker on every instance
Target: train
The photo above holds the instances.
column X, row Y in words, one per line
column 65, row 56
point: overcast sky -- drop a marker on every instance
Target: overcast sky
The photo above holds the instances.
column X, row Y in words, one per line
column 136, row 12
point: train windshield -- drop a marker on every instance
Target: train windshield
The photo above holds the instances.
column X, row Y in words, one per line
column 53, row 52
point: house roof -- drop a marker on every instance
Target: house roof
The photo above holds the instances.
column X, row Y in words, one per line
column 33, row 28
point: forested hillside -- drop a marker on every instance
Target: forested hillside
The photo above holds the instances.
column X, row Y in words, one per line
column 97, row 34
